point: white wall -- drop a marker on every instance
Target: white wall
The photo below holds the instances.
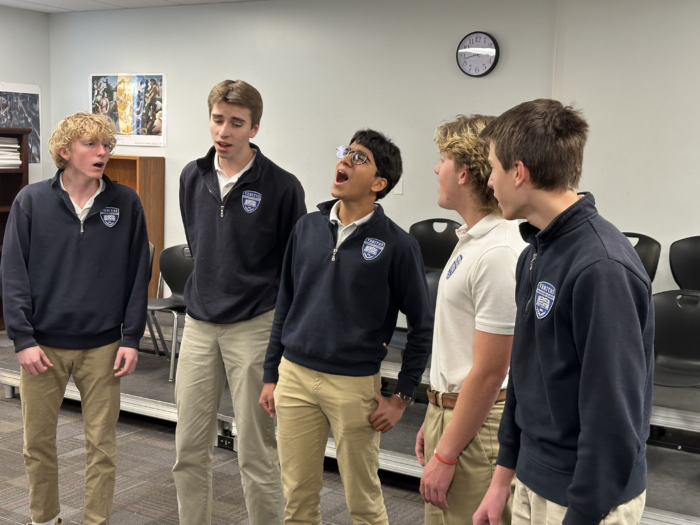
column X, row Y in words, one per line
column 24, row 40
column 325, row 69
column 631, row 65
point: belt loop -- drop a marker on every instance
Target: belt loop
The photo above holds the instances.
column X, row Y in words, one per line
column 438, row 396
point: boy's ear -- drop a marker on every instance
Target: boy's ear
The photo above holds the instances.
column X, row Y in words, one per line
column 463, row 176
column 522, row 173
column 64, row 153
column 379, row 184
column 254, row 131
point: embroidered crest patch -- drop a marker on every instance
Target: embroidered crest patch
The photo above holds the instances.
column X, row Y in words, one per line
column 371, row 248
column 109, row 216
column 544, row 299
column 453, row 267
column 251, row 200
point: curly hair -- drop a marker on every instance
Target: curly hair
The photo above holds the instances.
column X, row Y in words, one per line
column 77, row 126
column 459, row 139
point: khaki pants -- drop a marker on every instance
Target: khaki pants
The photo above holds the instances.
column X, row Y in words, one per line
column 308, row 403
column 473, row 472
column 531, row 509
column 210, row 354
column 42, row 395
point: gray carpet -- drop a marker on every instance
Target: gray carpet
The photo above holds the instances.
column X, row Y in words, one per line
column 144, row 492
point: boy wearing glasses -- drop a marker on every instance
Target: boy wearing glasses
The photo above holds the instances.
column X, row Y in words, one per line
column 347, row 272
column 238, row 208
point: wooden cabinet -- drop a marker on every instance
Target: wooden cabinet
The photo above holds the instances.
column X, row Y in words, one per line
column 146, row 175
column 11, row 181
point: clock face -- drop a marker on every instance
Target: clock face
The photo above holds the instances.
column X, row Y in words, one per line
column 477, row 54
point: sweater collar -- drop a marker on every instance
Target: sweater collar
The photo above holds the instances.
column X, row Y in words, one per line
column 582, row 210
column 206, row 163
column 325, row 209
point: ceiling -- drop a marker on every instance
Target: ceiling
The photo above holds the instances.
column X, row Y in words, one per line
column 69, row 6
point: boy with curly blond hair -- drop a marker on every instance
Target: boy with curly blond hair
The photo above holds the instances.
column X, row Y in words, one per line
column 473, row 334
column 74, row 277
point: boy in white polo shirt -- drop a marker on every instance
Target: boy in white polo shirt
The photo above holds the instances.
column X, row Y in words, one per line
column 473, row 332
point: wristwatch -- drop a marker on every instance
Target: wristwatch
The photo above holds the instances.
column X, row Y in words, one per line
column 404, row 398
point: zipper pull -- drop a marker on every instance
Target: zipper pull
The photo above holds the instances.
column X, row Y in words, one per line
column 532, row 262
column 81, row 226
column 335, row 250
column 222, row 211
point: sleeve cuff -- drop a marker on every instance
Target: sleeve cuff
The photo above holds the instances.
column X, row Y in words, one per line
column 129, row 341
column 508, row 455
column 494, row 329
column 406, row 387
column 574, row 517
column 24, row 340
column 270, row 375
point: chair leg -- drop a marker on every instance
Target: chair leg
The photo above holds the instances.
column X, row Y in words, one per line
column 153, row 335
column 160, row 335
column 173, row 350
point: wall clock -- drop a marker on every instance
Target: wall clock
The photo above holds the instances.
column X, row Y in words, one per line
column 477, row 54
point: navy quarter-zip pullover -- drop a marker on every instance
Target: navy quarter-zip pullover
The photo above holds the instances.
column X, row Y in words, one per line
column 74, row 285
column 237, row 243
column 579, row 399
column 337, row 308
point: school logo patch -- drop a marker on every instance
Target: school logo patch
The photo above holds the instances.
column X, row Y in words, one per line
column 544, row 299
column 371, row 248
column 251, row 200
column 109, row 216
column 453, row 267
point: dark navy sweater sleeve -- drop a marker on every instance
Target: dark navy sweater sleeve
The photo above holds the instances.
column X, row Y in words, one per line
column 509, row 431
column 411, row 289
column 613, row 321
column 16, row 290
column 275, row 348
column 183, row 208
column 136, row 300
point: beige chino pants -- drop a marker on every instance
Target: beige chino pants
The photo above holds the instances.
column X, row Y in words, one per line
column 308, row 404
column 473, row 471
column 210, row 355
column 42, row 395
column 532, row 509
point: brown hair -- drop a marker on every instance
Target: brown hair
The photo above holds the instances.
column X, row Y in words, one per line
column 460, row 139
column 77, row 126
column 545, row 136
column 240, row 93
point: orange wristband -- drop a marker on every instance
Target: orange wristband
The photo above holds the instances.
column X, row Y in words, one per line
column 443, row 461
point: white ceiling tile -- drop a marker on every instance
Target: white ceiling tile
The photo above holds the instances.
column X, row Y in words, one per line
column 33, row 7
column 136, row 3
column 73, row 5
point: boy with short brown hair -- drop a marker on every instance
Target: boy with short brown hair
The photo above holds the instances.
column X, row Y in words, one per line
column 577, row 410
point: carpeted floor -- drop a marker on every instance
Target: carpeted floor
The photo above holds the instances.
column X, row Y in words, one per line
column 144, row 492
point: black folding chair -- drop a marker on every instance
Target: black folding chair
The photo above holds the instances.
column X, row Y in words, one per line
column 677, row 338
column 176, row 265
column 649, row 251
column 400, row 337
column 685, row 263
column 435, row 246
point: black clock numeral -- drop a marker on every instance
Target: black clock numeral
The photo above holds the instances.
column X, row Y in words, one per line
column 478, row 39
column 471, row 41
column 470, row 68
column 477, row 70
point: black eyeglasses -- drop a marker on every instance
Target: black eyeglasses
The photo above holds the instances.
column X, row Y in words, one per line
column 358, row 157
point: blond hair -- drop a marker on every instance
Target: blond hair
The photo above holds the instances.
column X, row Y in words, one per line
column 78, row 126
column 460, row 141
column 239, row 93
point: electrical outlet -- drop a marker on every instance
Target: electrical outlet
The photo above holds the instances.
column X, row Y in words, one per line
column 225, row 442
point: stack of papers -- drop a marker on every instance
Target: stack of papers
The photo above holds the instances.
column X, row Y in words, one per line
column 9, row 153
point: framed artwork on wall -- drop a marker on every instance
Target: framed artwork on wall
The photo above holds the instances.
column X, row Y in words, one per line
column 136, row 104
